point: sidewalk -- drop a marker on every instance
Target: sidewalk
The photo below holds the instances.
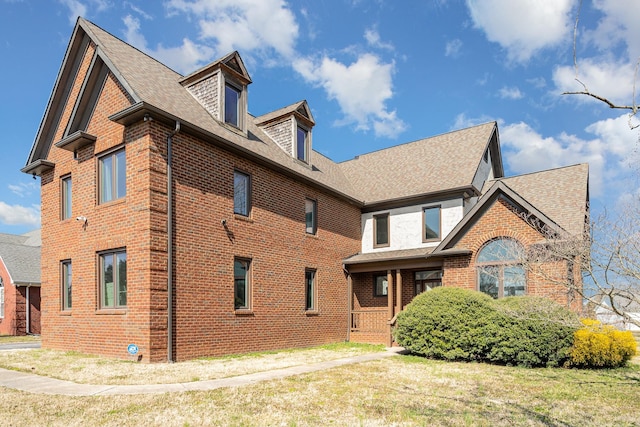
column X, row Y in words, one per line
column 44, row 385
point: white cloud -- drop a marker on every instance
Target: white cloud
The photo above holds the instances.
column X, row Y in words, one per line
column 462, row 121
column 373, row 39
column 618, row 25
column 19, row 215
column 523, row 27
column 262, row 26
column 23, row 189
column 184, row 59
column 452, row 48
column 361, row 88
column 525, row 150
column 80, row 8
column 510, row 93
column 606, row 78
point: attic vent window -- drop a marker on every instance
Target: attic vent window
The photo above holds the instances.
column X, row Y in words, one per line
column 231, row 105
column 302, row 144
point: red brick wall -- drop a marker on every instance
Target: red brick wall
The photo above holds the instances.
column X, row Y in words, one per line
column 205, row 322
column 9, row 324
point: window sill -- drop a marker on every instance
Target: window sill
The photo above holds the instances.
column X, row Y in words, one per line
column 65, row 313
column 243, row 218
column 311, row 235
column 312, row 313
column 243, row 312
column 107, row 311
column 112, row 202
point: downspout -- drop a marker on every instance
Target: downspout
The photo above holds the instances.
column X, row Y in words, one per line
column 170, row 244
column 350, row 299
column 27, row 329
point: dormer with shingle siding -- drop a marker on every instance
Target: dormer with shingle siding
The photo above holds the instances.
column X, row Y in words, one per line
column 290, row 128
column 221, row 88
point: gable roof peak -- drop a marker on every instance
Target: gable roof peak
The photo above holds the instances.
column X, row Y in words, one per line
column 232, row 63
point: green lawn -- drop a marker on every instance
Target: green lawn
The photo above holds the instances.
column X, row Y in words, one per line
column 6, row 339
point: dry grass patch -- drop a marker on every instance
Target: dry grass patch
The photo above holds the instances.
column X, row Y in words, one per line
column 87, row 369
column 9, row 339
column 400, row 391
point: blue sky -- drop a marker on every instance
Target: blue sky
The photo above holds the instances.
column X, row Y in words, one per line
column 375, row 74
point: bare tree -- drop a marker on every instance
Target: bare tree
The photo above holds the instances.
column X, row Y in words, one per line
column 602, row 266
column 633, row 108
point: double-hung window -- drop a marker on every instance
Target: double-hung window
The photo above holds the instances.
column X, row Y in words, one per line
column 66, row 197
column 381, row 230
column 242, row 284
column 241, row 193
column 310, row 215
column 231, row 105
column 310, row 290
column 431, row 223
column 66, row 285
column 112, row 176
column 113, row 279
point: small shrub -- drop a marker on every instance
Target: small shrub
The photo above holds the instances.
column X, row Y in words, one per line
column 532, row 331
column 601, row 346
column 447, row 323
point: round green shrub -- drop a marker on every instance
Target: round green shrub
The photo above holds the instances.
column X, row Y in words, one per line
column 447, row 323
column 532, row 331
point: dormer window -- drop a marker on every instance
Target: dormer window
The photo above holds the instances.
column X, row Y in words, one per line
column 232, row 105
column 302, row 144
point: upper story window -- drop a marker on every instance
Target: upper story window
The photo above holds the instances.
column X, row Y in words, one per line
column 500, row 270
column 112, row 176
column 302, row 144
column 431, row 223
column 381, row 230
column 113, row 279
column 232, row 105
column 65, row 201
column 381, row 285
column 242, row 284
column 310, row 214
column 66, row 285
column 241, row 193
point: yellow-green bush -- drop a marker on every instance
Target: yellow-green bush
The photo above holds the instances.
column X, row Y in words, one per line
column 601, row 346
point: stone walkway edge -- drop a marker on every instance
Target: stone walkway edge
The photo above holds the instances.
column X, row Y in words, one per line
column 32, row 383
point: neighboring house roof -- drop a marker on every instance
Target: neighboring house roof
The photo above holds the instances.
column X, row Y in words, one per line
column 21, row 257
column 437, row 164
column 561, row 193
column 623, row 300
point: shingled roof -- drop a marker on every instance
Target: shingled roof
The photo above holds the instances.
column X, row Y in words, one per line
column 21, row 257
column 561, row 193
column 430, row 165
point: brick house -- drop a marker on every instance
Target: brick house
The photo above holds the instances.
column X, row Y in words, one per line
column 20, row 283
column 195, row 228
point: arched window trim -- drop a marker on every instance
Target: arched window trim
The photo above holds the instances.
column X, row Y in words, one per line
column 496, row 268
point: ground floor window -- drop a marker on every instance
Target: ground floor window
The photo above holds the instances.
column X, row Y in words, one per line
column 310, row 290
column 427, row 280
column 381, row 285
column 66, row 285
column 242, row 284
column 500, row 269
column 113, row 279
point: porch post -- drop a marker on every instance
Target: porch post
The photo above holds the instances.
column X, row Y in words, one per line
column 389, row 305
column 398, row 291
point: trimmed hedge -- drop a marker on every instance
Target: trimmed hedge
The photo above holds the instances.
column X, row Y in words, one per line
column 602, row 346
column 459, row 324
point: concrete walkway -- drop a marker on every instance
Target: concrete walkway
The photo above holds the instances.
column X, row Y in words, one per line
column 44, row 385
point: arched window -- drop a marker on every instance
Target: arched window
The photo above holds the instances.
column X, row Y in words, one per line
column 500, row 269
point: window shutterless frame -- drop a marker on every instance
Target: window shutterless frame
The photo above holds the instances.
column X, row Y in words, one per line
column 232, row 102
column 241, row 193
column 65, row 197
column 381, row 230
column 302, row 143
column 380, row 285
column 431, row 223
column 311, row 303
column 66, row 291
column 242, row 284
column 112, row 176
column 311, row 216
column 112, row 273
